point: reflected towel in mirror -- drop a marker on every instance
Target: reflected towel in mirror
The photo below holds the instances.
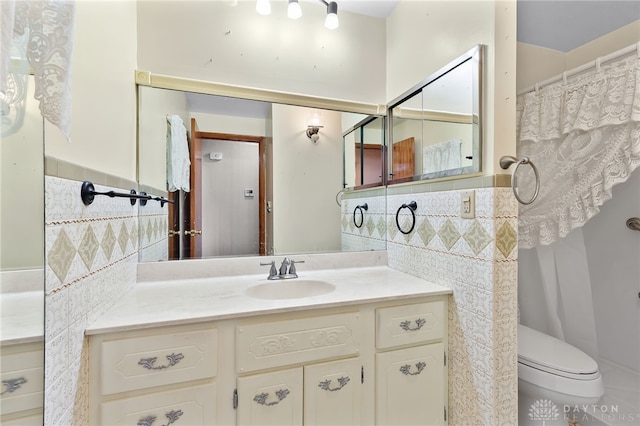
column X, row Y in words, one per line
column 442, row 156
column 178, row 162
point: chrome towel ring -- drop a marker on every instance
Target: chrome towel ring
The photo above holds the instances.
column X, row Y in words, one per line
column 412, row 206
column 506, row 162
column 361, row 208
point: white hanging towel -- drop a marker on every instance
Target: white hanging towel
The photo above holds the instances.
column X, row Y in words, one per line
column 442, row 156
column 178, row 162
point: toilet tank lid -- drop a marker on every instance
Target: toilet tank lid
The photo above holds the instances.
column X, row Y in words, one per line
column 552, row 354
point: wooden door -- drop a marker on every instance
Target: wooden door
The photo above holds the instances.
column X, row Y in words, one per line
column 368, row 164
column 194, row 240
column 403, row 159
column 410, row 386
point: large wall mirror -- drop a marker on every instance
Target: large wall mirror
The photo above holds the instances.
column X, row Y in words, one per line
column 264, row 184
column 22, row 254
column 435, row 127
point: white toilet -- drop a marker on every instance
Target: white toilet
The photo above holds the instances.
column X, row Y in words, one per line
column 554, row 373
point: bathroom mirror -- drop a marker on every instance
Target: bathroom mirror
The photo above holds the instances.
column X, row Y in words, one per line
column 435, row 127
column 266, row 187
column 364, row 153
column 21, row 260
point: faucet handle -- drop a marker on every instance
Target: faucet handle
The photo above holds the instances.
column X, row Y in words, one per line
column 292, row 268
column 273, row 271
column 283, row 266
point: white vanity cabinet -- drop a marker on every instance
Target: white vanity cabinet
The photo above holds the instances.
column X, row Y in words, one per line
column 356, row 364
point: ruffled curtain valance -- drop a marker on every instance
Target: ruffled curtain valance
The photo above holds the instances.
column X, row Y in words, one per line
column 39, row 33
column 584, row 137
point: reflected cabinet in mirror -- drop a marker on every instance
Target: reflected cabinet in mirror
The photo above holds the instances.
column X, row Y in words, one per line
column 435, row 127
column 247, row 177
column 364, row 150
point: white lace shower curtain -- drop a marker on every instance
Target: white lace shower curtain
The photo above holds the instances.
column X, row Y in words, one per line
column 584, row 137
column 583, row 134
column 40, row 34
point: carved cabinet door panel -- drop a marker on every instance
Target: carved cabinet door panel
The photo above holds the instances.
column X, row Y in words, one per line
column 271, row 398
column 333, row 393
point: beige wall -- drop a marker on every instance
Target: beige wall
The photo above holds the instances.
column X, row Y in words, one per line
column 306, row 179
column 103, row 128
column 220, row 42
column 536, row 64
column 424, row 36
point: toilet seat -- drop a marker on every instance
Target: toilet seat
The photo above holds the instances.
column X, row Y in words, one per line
column 550, row 363
column 546, row 353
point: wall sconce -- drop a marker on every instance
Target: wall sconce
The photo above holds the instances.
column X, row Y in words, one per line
column 263, row 7
column 314, row 124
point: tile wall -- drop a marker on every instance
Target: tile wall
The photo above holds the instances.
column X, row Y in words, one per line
column 91, row 257
column 477, row 259
column 367, row 231
column 153, row 221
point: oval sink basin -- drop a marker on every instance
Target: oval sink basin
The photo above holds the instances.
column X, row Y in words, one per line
column 290, row 289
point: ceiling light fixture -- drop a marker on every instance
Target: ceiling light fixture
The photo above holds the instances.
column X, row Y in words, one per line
column 331, row 21
column 294, row 11
column 263, row 7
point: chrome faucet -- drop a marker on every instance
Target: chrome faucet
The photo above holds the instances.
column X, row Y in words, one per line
column 287, row 269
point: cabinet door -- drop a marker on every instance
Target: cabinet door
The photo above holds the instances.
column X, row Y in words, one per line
column 410, row 386
column 333, row 393
column 271, row 398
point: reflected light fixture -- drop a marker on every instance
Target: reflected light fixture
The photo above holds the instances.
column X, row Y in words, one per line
column 314, row 124
column 263, row 7
column 294, row 11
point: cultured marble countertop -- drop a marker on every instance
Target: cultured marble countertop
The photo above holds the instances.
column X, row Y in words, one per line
column 21, row 317
column 161, row 303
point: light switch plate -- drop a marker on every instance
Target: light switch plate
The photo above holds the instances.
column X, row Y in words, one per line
column 468, row 204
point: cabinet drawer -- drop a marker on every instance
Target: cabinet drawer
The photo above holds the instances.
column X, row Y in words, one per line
column 191, row 406
column 143, row 362
column 280, row 343
column 22, row 381
column 410, row 324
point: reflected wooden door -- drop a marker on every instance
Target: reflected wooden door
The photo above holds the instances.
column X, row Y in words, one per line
column 403, row 159
column 193, row 222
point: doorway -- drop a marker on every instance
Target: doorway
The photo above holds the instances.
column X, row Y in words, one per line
column 225, row 212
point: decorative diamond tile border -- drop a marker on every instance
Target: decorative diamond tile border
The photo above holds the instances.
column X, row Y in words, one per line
column 477, row 237
column 61, row 255
column 88, row 247
column 506, row 239
column 449, row 234
column 426, row 232
column 108, row 242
